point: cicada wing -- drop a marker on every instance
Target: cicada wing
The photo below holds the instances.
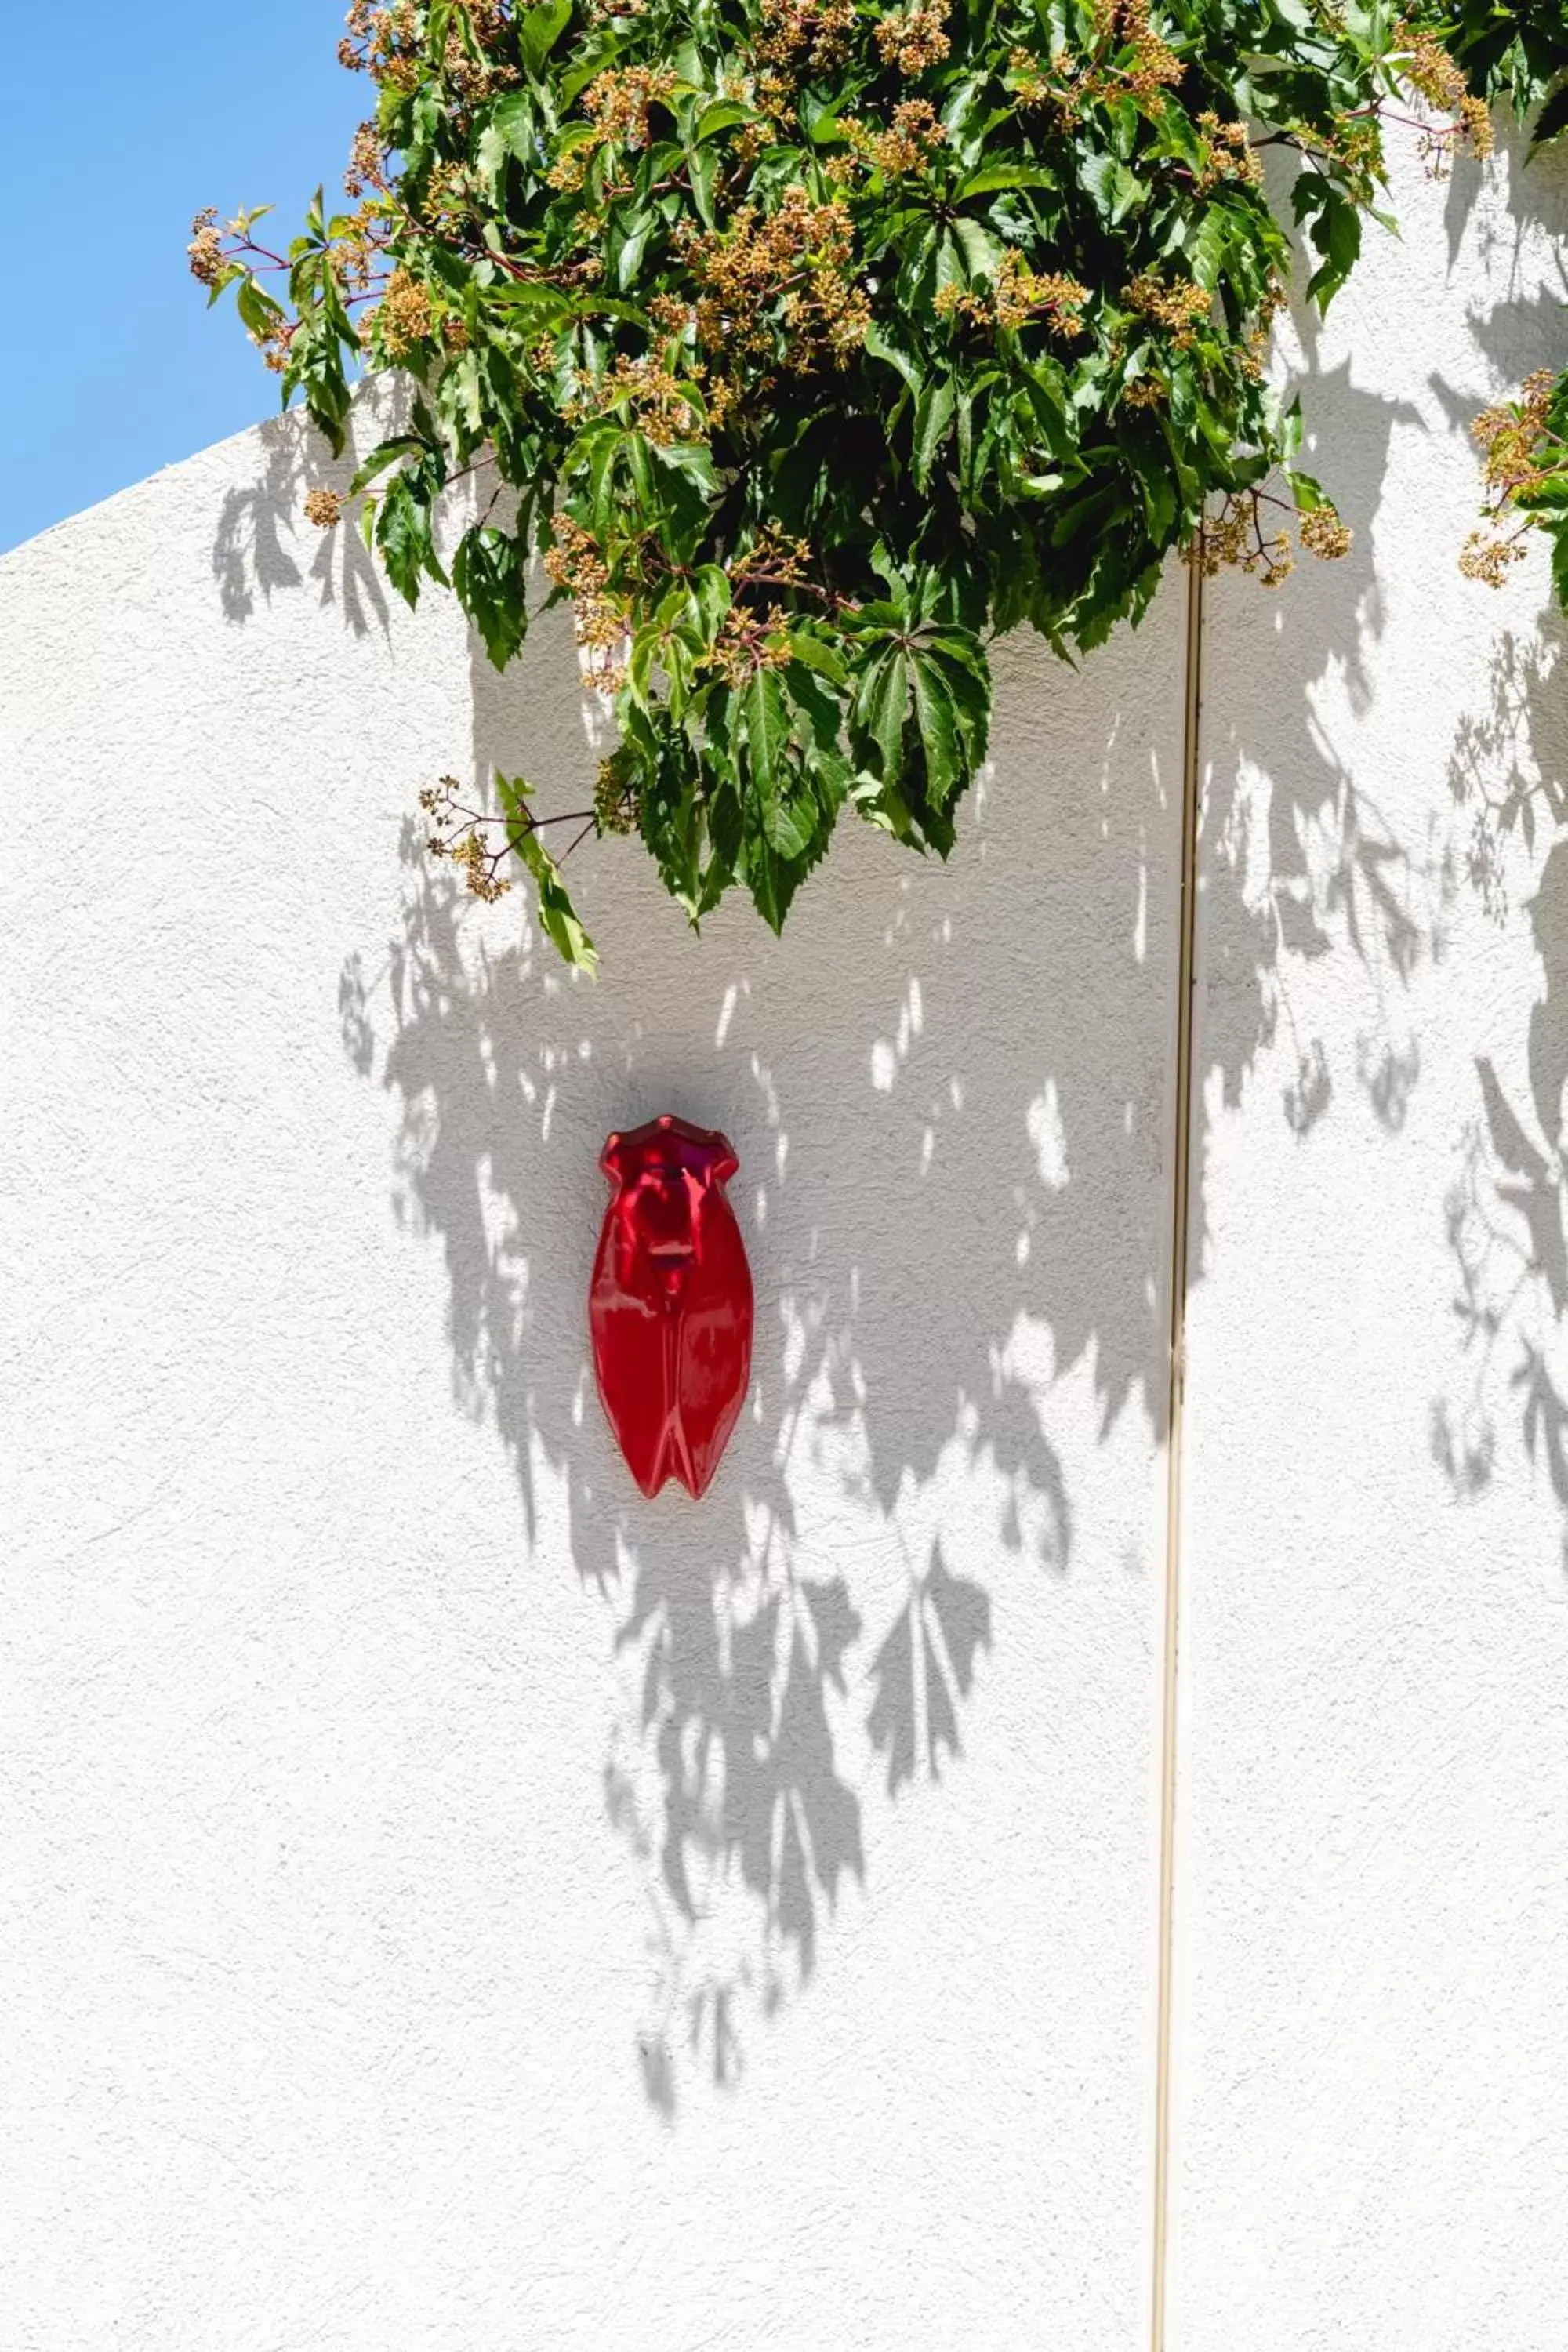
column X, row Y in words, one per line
column 634, row 1364
column 715, row 1358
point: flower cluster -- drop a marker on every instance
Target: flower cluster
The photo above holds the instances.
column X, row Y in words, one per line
column 1178, row 306
column 577, row 567
column 621, row 103
column 774, row 560
column 1237, row 535
column 1227, row 153
column 1523, row 447
column 1464, row 120
column 915, row 37
column 661, row 405
column 383, row 42
column 455, row 833
column 906, row 145
column 1017, row 294
column 616, row 795
column 1515, row 437
column 1147, row 63
column 1325, row 536
column 366, row 162
column 404, row 318
column 782, row 284
column 751, row 642
column 810, row 35
column 1128, row 58
column 209, row 260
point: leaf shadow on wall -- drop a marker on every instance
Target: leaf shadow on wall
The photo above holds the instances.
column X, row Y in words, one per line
column 254, row 554
column 1303, row 857
column 951, row 1214
column 1303, row 861
column 957, row 1211
column 1508, row 1207
column 1299, row 855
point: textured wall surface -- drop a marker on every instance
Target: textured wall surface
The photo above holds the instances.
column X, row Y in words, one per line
column 451, row 1904
column 1371, row 2120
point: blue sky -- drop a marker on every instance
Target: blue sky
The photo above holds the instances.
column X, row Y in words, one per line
column 121, row 122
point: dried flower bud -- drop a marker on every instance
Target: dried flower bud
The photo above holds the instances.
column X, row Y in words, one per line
column 1325, row 536
column 207, row 259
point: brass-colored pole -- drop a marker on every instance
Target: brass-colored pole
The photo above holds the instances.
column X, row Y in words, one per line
column 1192, row 788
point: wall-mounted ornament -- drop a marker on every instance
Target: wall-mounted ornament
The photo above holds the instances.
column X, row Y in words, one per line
column 670, row 1304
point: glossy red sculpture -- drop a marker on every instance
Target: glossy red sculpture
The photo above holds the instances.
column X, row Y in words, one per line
column 670, row 1304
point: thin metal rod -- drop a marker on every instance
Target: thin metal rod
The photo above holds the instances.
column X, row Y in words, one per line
column 1192, row 789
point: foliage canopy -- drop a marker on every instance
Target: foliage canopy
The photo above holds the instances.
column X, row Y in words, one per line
column 814, row 343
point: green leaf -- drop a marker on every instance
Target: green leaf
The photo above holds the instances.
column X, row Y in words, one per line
column 881, row 707
column 818, row 654
column 1553, row 120
column 822, row 712
column 514, row 122
column 998, row 176
column 258, row 311
column 982, row 249
column 558, row 918
column 966, row 675
column 722, row 115
column 384, row 454
column 1335, row 232
column 404, row 536
column 938, row 724
column 710, row 598
column 880, row 345
column 767, row 724
column 540, row 29
column 1549, row 495
column 1559, row 565
column 490, row 574
column 774, row 882
column 788, row 824
column 933, row 421
column 1115, row 191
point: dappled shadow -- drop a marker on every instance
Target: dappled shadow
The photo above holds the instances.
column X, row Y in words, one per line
column 1508, row 1208
column 1506, row 770
column 951, row 1094
column 1534, row 193
column 954, row 1212
column 1299, row 855
column 263, row 545
column 1307, row 856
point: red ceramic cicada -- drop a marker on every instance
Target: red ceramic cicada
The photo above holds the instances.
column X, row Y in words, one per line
column 670, row 1305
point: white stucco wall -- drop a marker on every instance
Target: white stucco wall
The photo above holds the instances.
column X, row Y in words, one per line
column 459, row 1903
column 449, row 1903
column 1371, row 2118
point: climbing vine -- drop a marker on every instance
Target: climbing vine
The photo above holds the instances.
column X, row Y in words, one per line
column 807, row 345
